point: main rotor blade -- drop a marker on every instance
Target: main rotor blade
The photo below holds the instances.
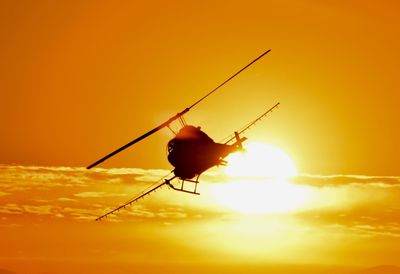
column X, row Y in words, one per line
column 139, row 138
column 174, row 117
column 138, row 197
column 230, row 78
column 252, row 123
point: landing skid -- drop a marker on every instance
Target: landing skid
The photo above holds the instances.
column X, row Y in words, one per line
column 182, row 188
column 147, row 192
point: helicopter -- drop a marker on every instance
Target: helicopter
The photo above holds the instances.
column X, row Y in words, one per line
column 191, row 152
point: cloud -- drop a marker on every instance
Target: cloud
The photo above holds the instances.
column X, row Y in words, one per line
column 172, row 215
column 140, row 211
column 29, row 177
column 11, row 209
column 74, row 193
column 20, row 178
column 341, row 209
column 68, row 192
column 343, row 179
column 40, row 210
column 80, row 213
column 64, row 199
column 15, row 209
column 367, row 230
column 94, row 194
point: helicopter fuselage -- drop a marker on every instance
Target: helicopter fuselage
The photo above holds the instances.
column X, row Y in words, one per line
column 192, row 152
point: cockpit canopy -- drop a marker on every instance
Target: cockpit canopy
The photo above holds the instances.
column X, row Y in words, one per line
column 192, row 151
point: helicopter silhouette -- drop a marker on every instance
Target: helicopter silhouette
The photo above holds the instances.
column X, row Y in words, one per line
column 191, row 152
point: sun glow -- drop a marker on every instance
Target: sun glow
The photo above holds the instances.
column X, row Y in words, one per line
column 261, row 160
column 261, row 196
column 260, row 182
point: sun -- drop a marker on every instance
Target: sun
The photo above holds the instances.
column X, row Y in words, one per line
column 261, row 196
column 261, row 160
column 259, row 182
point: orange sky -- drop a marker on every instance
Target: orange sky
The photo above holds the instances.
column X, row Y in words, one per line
column 81, row 78
column 47, row 224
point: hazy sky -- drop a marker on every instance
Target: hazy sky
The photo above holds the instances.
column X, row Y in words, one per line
column 47, row 223
column 80, row 79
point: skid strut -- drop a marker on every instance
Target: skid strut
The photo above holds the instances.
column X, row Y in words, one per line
column 182, row 188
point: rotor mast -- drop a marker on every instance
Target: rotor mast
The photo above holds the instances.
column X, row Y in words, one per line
column 177, row 116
